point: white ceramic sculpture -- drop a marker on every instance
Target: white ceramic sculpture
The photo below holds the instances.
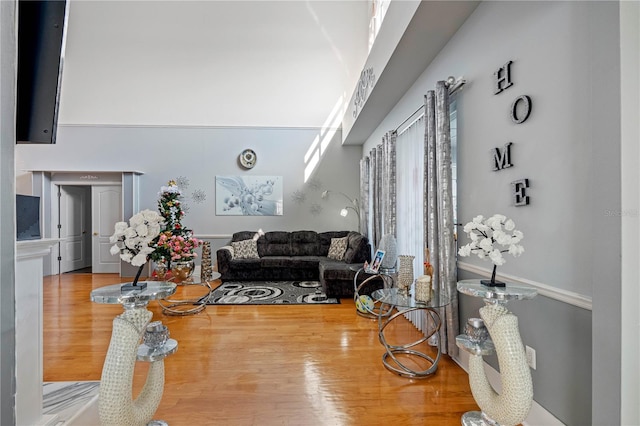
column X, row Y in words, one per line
column 512, row 405
column 116, row 407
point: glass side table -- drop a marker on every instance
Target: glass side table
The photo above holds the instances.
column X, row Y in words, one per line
column 511, row 408
column 116, row 404
column 366, row 306
column 112, row 295
column 404, row 303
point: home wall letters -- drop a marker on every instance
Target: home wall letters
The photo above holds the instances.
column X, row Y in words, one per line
column 519, row 112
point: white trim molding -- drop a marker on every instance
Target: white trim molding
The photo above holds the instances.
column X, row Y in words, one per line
column 213, row 236
column 546, row 290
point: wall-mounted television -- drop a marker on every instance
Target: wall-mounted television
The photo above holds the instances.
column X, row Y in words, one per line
column 41, row 38
column 28, row 217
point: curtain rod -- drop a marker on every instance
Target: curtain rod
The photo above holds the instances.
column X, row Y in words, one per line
column 453, row 84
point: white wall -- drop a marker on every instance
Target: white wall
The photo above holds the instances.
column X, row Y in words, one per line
column 630, row 326
column 211, row 63
column 180, row 88
column 8, row 54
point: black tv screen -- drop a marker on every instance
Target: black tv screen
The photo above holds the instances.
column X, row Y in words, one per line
column 41, row 29
column 28, row 217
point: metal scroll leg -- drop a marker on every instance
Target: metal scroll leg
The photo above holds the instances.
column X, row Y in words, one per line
column 394, row 363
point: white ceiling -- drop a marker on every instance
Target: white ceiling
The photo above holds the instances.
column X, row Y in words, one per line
column 211, row 63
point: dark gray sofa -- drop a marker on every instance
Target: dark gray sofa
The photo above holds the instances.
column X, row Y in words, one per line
column 298, row 256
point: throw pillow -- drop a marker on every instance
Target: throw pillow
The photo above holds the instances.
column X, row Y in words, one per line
column 245, row 249
column 337, row 248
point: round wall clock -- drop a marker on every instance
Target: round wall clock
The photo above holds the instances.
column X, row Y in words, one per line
column 248, row 158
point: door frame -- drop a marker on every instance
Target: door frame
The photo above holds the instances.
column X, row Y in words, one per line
column 44, row 182
column 86, row 212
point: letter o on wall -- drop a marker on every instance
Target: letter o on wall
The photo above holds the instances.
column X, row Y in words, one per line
column 519, row 114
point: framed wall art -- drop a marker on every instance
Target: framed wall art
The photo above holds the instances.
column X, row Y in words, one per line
column 249, row 196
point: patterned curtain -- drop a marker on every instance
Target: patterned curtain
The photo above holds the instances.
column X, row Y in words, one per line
column 389, row 188
column 439, row 225
column 379, row 169
column 365, row 173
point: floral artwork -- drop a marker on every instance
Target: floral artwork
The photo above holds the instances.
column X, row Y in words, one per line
column 249, row 196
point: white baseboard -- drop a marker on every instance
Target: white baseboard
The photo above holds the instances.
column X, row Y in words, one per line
column 538, row 415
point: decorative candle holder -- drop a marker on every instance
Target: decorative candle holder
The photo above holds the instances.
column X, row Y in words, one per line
column 423, row 288
column 156, row 334
column 405, row 272
column 476, row 330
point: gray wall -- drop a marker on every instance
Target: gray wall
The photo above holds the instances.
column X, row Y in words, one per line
column 7, row 212
column 566, row 58
column 199, row 154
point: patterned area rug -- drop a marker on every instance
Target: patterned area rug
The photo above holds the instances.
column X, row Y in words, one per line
column 269, row 293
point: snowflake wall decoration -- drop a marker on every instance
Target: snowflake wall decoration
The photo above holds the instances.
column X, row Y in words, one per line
column 298, row 197
column 314, row 184
column 183, row 182
column 199, row 196
column 315, row 209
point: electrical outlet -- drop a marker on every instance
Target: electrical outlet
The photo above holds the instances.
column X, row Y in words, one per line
column 531, row 356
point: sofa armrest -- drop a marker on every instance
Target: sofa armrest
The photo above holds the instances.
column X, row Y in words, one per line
column 224, row 256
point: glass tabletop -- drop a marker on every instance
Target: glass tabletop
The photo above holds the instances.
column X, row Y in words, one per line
column 498, row 294
column 393, row 296
column 112, row 294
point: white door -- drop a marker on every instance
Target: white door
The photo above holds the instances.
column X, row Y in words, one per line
column 106, row 210
column 73, row 228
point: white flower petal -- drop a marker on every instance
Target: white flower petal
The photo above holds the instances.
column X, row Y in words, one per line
column 139, row 259
column 496, row 257
column 465, row 250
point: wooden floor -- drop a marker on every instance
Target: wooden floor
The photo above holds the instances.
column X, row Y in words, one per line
column 257, row 365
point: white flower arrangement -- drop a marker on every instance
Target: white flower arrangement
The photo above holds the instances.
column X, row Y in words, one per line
column 491, row 237
column 135, row 241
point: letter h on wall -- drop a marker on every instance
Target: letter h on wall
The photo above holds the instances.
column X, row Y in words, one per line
column 503, row 78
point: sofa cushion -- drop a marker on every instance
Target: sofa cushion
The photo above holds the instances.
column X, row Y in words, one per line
column 275, row 262
column 246, row 249
column 337, row 248
column 245, row 264
column 276, row 243
column 306, row 261
column 335, row 270
column 243, row 235
column 305, row 243
column 355, row 241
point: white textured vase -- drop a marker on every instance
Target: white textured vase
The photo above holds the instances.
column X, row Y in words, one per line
column 512, row 406
column 115, row 404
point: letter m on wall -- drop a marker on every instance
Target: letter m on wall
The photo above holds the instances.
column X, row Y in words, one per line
column 502, row 157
